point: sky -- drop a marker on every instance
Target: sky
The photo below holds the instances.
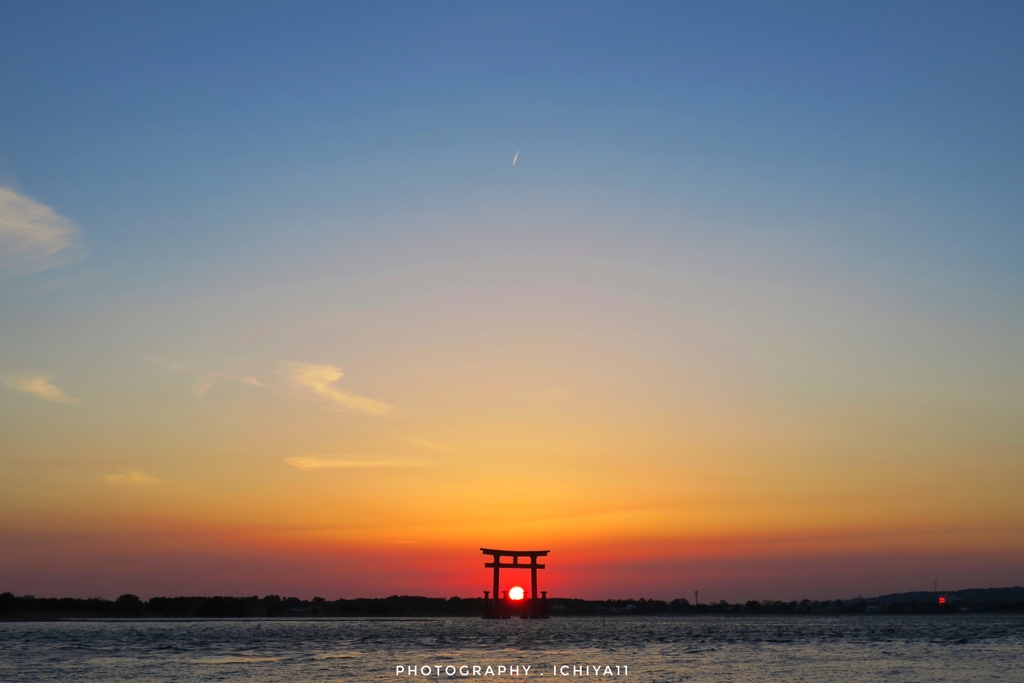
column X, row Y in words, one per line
column 278, row 314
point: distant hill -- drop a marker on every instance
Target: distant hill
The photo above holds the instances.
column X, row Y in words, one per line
column 974, row 596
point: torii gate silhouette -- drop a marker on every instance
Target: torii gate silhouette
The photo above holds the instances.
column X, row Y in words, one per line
column 502, row 607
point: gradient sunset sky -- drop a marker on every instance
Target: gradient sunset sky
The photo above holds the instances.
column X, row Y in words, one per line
column 279, row 315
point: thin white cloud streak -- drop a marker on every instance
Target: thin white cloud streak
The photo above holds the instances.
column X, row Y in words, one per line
column 204, row 380
column 166, row 363
column 312, row 462
column 129, row 478
column 551, row 396
column 319, row 378
column 40, row 387
column 425, row 444
column 33, row 236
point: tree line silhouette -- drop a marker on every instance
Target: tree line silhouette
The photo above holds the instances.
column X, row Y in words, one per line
column 274, row 606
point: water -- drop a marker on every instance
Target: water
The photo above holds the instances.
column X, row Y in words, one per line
column 797, row 649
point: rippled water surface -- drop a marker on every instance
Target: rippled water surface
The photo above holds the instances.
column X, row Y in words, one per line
column 916, row 649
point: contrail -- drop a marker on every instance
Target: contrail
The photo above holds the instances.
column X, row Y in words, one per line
column 515, row 157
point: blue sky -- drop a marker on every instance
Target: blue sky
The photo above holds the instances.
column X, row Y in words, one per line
column 125, row 116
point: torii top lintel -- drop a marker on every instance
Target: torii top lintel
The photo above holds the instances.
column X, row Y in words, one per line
column 515, row 555
column 512, row 553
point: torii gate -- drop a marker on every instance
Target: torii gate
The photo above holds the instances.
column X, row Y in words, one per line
column 499, row 608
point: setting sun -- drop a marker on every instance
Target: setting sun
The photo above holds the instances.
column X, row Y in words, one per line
column 516, row 593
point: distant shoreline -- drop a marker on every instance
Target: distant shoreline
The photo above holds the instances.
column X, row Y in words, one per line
column 128, row 606
column 47, row 619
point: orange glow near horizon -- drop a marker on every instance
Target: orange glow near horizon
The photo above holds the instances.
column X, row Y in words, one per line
column 381, row 468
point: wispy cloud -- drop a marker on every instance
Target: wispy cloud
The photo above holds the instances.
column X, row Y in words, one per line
column 425, row 444
column 32, row 236
column 204, row 381
column 319, row 378
column 40, row 387
column 312, row 462
column 130, row 477
column 166, row 363
column 549, row 397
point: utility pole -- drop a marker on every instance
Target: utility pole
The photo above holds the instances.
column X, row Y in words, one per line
column 696, row 597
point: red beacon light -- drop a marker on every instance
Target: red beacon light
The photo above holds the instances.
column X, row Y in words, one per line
column 942, row 599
